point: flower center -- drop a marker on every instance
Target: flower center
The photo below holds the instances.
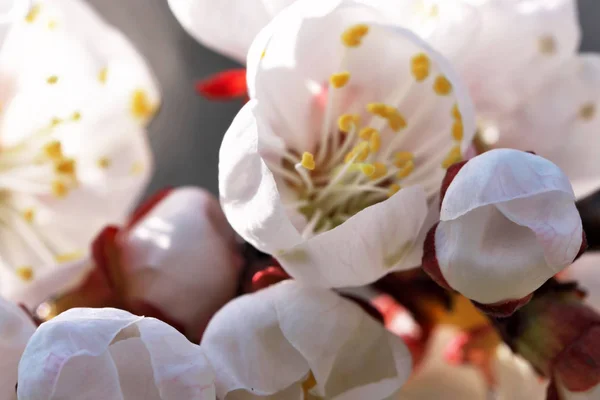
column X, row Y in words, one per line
column 365, row 157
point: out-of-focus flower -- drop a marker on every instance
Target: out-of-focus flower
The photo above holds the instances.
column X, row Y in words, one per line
column 75, row 97
column 100, row 354
column 508, row 223
column 15, row 330
column 331, row 165
column 586, row 271
column 178, row 260
column 288, row 340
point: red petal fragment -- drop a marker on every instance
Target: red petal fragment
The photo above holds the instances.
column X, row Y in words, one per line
column 226, row 85
column 267, row 277
column 503, row 309
column 451, row 173
column 430, row 263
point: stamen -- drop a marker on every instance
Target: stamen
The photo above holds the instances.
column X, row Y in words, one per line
column 308, row 161
column 104, row 162
column 457, row 131
column 76, row 116
column 393, row 189
column 347, row 121
column 103, row 75
column 33, row 13
column 375, row 142
column 394, row 118
column 141, row 107
column 420, row 66
column 454, row 156
column 380, row 170
column 367, row 169
column 340, row 79
column 365, row 133
column 406, row 170
column 25, row 273
column 59, row 189
column 401, row 158
column 353, row 36
column 442, row 86
column 53, row 79
column 29, row 215
column 68, row 257
column 456, row 113
column 53, row 150
column 65, row 166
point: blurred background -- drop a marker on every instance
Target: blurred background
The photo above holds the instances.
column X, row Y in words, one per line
column 186, row 134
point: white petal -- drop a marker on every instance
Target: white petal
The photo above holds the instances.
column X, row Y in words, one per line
column 591, row 394
column 508, row 223
column 516, row 379
column 503, row 67
column 205, row 19
column 265, row 342
column 15, row 329
column 182, row 257
column 73, row 356
column 586, row 271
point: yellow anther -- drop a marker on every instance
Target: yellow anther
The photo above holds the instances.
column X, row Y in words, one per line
column 59, row 189
column 53, row 150
column 353, row 36
column 380, row 170
column 393, row 189
column 308, row 161
column 367, row 169
column 52, row 79
column 406, row 170
column 348, row 121
column 141, row 107
column 103, row 75
column 25, row 273
column 52, row 24
column 547, row 45
column 379, row 109
column 68, row 257
column 375, row 142
column 456, row 114
column 393, row 116
column 349, row 156
column 55, row 121
column 442, row 86
column 104, row 162
column 396, row 121
column 33, row 13
column 29, row 215
column 454, row 156
column 587, row 112
column 362, row 151
column 457, row 130
column 340, row 79
column 420, row 66
column 76, row 116
column 137, row 168
column 365, row 133
column 65, row 166
column 401, row 158
column 263, row 54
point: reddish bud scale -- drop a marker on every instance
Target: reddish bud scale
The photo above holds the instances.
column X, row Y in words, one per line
column 267, row 277
column 226, row 85
column 430, row 262
column 147, row 206
column 503, row 308
column 451, row 173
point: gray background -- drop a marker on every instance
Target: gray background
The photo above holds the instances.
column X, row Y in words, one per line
column 187, row 133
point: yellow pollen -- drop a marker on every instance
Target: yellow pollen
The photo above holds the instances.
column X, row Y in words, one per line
column 360, row 151
column 367, row 169
column 587, row 112
column 367, row 132
column 65, row 166
column 68, row 257
column 401, row 158
column 380, row 170
column 76, row 116
column 103, row 75
column 442, row 86
column 353, row 36
column 457, row 130
column 340, row 79
column 454, row 156
column 456, row 112
column 140, row 104
column 55, row 121
column 25, row 273
column 375, row 142
column 263, row 54
column 28, row 215
column 406, row 170
column 393, row 188
column 59, row 189
column 33, row 13
column 104, row 162
column 348, row 121
column 378, row 109
column 420, row 65
column 308, row 161
column 547, row 45
column 53, row 150
column 396, row 121
column 52, row 79
column 137, row 168
column 391, row 114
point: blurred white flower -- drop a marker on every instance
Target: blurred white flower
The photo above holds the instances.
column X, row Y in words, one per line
column 331, row 167
column 586, row 271
column 15, row 330
column 294, row 342
column 508, row 223
column 100, row 354
column 75, row 97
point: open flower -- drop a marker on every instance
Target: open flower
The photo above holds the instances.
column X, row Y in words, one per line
column 177, row 260
column 73, row 152
column 15, row 330
column 508, row 223
column 111, row 354
column 331, row 165
column 292, row 342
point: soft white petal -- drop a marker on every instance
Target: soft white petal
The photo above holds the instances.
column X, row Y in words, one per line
column 586, row 271
column 205, row 20
column 265, row 342
column 15, row 330
column 72, row 357
column 182, row 257
column 508, row 223
column 591, row 394
column 516, row 379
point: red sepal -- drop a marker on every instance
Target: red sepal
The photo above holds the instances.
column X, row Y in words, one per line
column 226, row 85
column 147, row 206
